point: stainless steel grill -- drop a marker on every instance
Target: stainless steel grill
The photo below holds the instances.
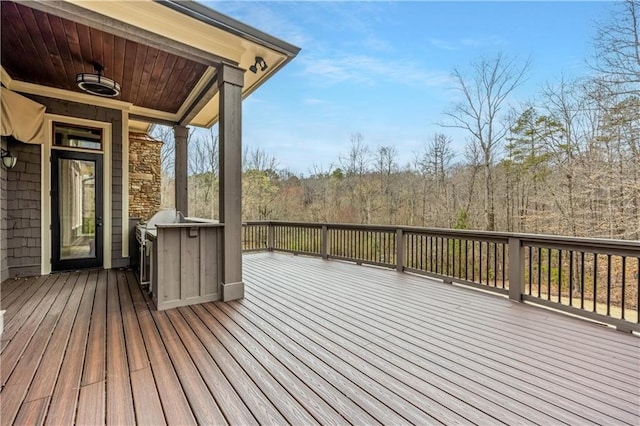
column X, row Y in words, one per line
column 163, row 216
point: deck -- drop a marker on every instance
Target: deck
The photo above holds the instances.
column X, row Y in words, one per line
column 313, row 342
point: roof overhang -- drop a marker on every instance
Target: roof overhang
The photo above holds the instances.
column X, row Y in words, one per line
column 165, row 54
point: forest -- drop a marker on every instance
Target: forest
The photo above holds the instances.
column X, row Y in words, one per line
column 564, row 163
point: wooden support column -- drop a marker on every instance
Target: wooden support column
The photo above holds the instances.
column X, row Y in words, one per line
column 230, row 82
column 180, row 134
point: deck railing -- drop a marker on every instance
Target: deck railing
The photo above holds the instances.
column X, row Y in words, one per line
column 592, row 278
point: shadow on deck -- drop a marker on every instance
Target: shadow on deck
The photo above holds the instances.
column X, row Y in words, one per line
column 313, row 341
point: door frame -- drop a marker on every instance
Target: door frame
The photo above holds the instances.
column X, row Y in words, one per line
column 45, row 186
column 57, row 263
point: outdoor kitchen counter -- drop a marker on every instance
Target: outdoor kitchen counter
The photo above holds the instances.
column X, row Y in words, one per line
column 185, row 259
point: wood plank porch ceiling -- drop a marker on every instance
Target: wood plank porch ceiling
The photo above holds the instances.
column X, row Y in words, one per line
column 313, row 342
column 43, row 49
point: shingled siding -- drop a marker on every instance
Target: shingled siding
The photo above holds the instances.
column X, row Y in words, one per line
column 22, row 201
column 144, row 175
column 4, row 265
column 113, row 116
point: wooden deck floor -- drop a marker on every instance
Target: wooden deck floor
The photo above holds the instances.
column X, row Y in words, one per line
column 312, row 342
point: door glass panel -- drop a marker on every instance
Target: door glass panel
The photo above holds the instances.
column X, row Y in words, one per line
column 76, row 191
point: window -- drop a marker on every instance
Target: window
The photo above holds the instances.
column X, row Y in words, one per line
column 77, row 137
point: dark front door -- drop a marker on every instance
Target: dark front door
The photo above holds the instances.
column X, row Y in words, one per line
column 76, row 210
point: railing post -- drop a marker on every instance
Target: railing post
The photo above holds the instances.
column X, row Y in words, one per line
column 270, row 236
column 399, row 250
column 516, row 269
column 324, row 243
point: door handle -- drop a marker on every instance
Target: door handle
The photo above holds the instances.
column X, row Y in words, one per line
column 98, row 221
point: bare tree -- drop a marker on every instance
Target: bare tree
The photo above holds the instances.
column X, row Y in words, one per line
column 484, row 96
column 203, row 173
column 167, row 161
column 259, row 159
column 357, row 161
column 203, row 152
column 565, row 103
column 437, row 156
column 617, row 50
column 360, row 187
column 386, row 170
column 472, row 156
column 259, row 184
column 432, row 163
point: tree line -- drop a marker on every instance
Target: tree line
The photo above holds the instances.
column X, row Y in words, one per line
column 566, row 162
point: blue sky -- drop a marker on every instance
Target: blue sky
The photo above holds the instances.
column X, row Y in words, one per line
column 383, row 68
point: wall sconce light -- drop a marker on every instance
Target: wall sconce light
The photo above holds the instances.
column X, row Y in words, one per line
column 8, row 160
column 259, row 63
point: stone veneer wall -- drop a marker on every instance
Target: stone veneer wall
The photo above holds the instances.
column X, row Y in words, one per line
column 144, row 175
column 22, row 200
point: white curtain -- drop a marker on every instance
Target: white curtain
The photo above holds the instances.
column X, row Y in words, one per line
column 22, row 118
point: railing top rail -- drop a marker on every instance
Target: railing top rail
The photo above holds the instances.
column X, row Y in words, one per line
column 629, row 246
column 534, row 239
column 284, row 223
column 189, row 225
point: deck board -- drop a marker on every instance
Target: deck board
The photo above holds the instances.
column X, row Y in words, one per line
column 145, row 395
column 172, row 397
column 478, row 322
column 18, row 373
column 119, row 399
column 136, row 351
column 32, row 412
column 285, row 403
column 62, row 409
column 203, row 404
column 18, row 291
column 313, row 341
column 384, row 377
column 256, row 401
column 47, row 372
column 375, row 409
column 431, row 387
column 11, row 285
column 235, row 411
column 95, row 356
column 91, row 404
column 349, row 361
column 480, row 364
column 291, row 359
column 303, row 388
column 441, row 300
column 22, row 314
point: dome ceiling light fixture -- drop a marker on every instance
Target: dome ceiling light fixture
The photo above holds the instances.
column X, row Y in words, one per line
column 98, row 84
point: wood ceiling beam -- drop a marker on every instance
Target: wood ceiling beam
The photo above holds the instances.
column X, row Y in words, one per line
column 152, row 120
column 205, row 95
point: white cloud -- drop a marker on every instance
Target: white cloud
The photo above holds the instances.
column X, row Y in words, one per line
column 314, row 101
column 369, row 70
column 263, row 17
column 443, row 44
column 465, row 43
